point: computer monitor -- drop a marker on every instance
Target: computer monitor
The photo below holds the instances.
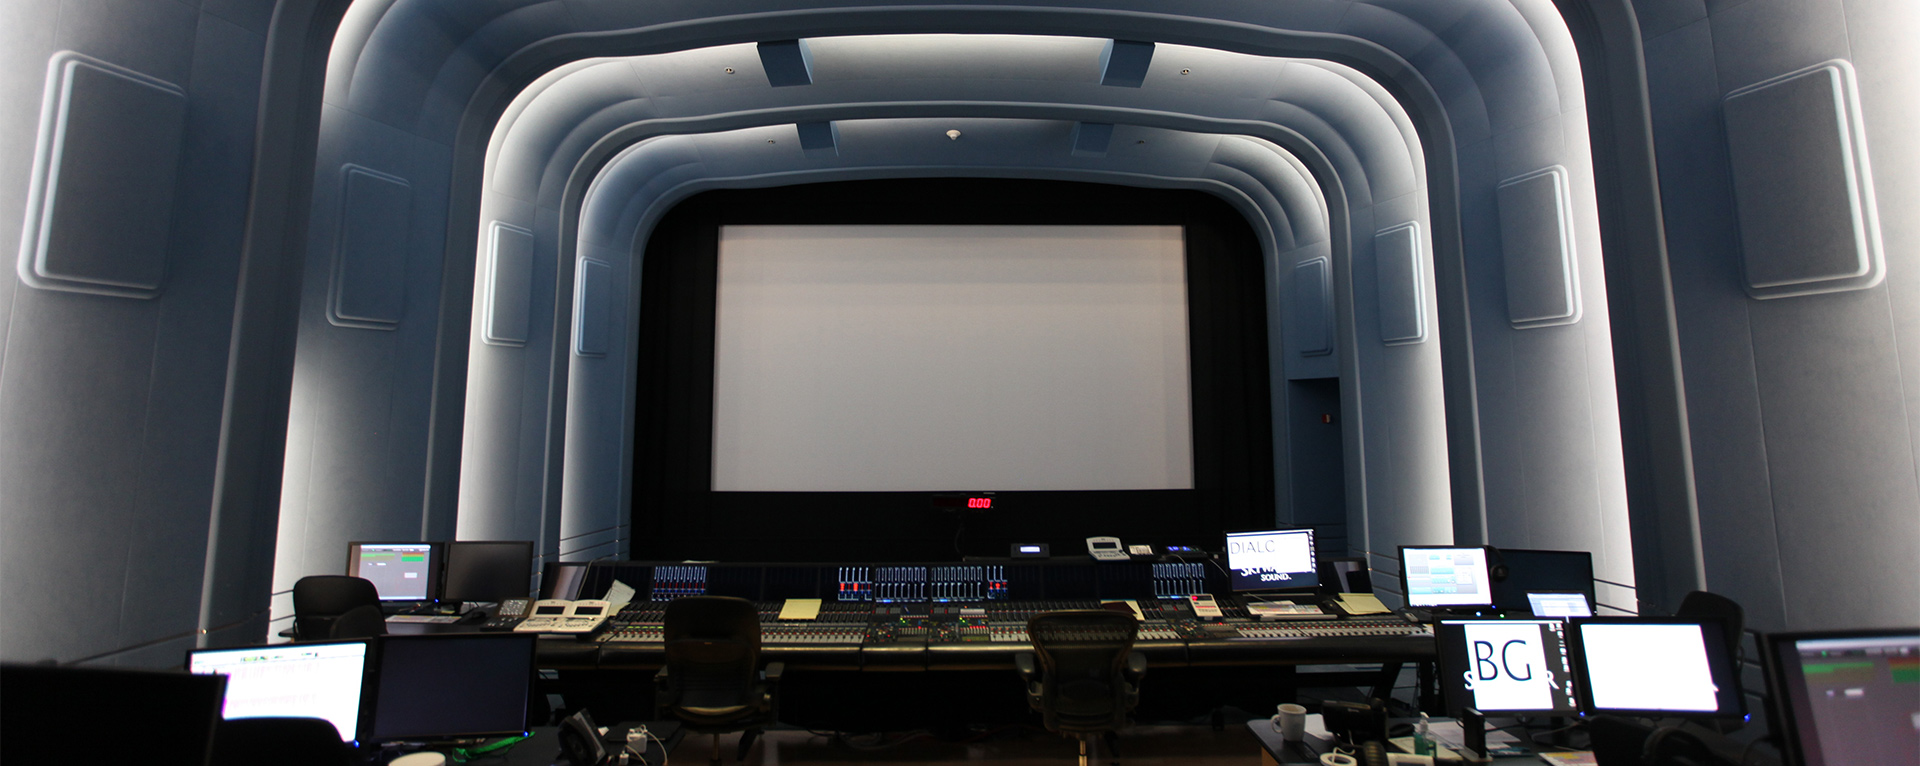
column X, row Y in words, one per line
column 1346, row 575
column 489, row 571
column 307, row 680
column 1561, row 605
column 1445, row 575
column 1846, row 697
column 1511, row 667
column 439, row 687
column 562, row 580
column 1278, row 559
column 61, row 713
column 1655, row 666
column 399, row 571
column 1540, row 571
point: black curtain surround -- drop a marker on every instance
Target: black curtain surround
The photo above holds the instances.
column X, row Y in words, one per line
column 677, row 516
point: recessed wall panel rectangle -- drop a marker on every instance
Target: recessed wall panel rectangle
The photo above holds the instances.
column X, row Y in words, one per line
column 509, row 284
column 1802, row 185
column 100, row 208
column 593, row 307
column 370, row 255
column 1403, row 315
column 1311, row 332
column 1536, row 243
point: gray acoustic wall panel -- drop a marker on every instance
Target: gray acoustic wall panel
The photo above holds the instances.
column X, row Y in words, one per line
column 509, row 284
column 100, row 205
column 1536, row 241
column 369, row 266
column 592, row 307
column 1311, row 328
column 1403, row 312
column 1801, row 184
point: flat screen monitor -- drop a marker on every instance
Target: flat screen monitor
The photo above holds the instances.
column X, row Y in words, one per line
column 1540, row 571
column 308, row 680
column 562, row 580
column 399, row 571
column 1512, row 667
column 1278, row 559
column 438, row 687
column 1847, row 697
column 1346, row 575
column 57, row 714
column 489, row 571
column 1559, row 605
column 1445, row 575
column 1655, row 666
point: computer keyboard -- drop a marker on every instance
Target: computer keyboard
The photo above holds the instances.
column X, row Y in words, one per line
column 434, row 619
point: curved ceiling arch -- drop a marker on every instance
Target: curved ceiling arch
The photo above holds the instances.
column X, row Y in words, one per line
column 1466, row 71
column 542, row 136
column 1491, row 65
column 1267, row 184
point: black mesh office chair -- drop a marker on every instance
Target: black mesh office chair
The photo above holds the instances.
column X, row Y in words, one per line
column 712, row 682
column 280, row 741
column 1083, row 675
column 336, row 606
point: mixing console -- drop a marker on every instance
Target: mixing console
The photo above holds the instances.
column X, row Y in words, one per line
column 857, row 623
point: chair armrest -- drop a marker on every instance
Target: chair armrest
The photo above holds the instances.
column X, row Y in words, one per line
column 773, row 671
column 288, row 633
column 1029, row 669
column 1027, row 666
column 1136, row 666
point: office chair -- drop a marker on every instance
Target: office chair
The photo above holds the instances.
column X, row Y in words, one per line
column 336, row 606
column 712, row 681
column 280, row 741
column 1083, row 675
column 1703, row 605
column 1712, row 606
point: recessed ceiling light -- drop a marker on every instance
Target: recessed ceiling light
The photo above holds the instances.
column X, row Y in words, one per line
column 1186, row 71
column 729, row 70
column 953, row 135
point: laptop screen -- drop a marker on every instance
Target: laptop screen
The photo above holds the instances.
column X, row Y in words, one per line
column 320, row 680
column 1559, row 605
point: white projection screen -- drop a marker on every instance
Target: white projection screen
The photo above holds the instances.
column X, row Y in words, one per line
column 864, row 358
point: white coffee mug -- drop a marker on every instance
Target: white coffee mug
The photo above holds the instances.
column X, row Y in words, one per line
column 1291, row 722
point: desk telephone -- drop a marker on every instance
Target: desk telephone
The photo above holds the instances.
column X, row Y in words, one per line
column 558, row 615
column 509, row 614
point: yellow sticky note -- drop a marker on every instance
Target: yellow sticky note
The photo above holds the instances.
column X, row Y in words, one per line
column 800, row 609
column 1362, row 603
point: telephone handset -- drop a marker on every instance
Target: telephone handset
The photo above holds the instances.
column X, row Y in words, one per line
column 1106, row 549
column 509, row 614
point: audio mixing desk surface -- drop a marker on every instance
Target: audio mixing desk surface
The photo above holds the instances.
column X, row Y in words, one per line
column 919, row 636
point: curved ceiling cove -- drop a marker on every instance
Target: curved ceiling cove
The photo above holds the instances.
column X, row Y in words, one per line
column 1370, row 135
